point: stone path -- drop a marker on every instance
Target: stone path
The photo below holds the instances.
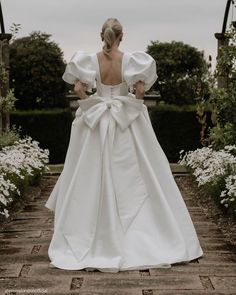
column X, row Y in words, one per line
column 24, row 263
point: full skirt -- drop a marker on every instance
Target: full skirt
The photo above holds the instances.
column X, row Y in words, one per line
column 116, row 203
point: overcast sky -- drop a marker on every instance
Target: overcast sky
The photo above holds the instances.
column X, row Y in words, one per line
column 76, row 24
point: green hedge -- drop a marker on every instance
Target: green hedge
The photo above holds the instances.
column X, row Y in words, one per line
column 50, row 127
column 176, row 128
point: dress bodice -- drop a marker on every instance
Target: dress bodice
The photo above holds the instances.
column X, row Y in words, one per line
column 111, row 91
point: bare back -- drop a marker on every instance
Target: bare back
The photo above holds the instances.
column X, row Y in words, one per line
column 110, row 68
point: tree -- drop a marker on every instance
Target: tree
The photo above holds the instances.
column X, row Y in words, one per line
column 36, row 68
column 180, row 70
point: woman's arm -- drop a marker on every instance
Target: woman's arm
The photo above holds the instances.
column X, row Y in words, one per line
column 80, row 89
column 139, row 90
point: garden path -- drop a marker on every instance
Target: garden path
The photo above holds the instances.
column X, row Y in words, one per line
column 24, row 263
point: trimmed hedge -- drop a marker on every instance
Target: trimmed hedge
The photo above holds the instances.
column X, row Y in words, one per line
column 50, row 127
column 176, row 128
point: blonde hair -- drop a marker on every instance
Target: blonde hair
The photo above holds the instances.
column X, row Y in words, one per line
column 111, row 30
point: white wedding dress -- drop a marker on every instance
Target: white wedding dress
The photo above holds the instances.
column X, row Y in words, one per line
column 116, row 204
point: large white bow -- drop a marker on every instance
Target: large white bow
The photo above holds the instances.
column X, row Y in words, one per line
column 124, row 109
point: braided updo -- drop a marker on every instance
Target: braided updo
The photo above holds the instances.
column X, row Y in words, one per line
column 111, row 30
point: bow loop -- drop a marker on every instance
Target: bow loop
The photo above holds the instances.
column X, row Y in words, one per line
column 124, row 109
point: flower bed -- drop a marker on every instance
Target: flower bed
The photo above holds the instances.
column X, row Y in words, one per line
column 21, row 165
column 215, row 171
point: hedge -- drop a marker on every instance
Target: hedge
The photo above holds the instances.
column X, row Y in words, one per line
column 50, row 127
column 176, row 128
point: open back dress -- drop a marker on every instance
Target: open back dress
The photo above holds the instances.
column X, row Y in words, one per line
column 116, row 203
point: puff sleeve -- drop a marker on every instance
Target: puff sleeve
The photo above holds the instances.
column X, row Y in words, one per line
column 140, row 66
column 80, row 67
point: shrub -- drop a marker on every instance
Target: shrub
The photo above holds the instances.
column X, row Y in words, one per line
column 181, row 71
column 36, row 68
column 21, row 164
column 10, row 136
column 176, row 128
column 50, row 127
column 224, row 100
column 215, row 171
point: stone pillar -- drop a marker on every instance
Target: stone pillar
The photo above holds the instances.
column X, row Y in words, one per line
column 4, row 86
column 222, row 41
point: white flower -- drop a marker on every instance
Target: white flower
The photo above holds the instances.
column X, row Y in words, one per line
column 229, row 194
column 208, row 164
column 5, row 213
column 212, row 167
column 23, row 158
column 230, row 147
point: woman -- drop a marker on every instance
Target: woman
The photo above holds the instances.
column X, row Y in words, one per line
column 117, row 206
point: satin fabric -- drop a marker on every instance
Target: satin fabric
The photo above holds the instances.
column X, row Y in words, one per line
column 136, row 66
column 116, row 204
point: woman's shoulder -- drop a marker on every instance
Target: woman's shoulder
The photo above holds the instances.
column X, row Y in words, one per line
column 140, row 66
column 80, row 55
column 138, row 55
column 82, row 60
column 80, row 67
column 139, row 61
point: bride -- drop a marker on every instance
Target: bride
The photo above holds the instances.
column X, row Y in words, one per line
column 116, row 204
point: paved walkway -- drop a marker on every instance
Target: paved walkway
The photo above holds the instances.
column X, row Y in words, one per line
column 24, row 263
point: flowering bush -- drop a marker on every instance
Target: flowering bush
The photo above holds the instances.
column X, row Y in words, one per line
column 214, row 166
column 228, row 195
column 215, row 171
column 20, row 164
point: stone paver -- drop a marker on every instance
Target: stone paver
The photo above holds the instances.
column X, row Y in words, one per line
column 24, row 263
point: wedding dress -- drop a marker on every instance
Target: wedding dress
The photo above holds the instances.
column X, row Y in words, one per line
column 116, row 203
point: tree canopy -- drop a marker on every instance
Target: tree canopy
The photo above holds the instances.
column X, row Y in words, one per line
column 180, row 70
column 36, row 68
